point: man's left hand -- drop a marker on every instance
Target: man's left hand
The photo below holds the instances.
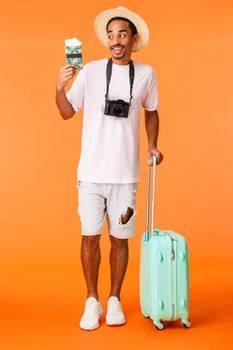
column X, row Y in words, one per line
column 154, row 151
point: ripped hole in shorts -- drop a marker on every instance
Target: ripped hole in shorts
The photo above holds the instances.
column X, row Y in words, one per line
column 125, row 217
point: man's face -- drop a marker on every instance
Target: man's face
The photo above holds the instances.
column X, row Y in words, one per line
column 120, row 39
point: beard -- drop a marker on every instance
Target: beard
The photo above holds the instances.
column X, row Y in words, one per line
column 118, row 57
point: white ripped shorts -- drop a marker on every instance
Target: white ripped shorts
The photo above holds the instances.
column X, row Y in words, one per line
column 99, row 200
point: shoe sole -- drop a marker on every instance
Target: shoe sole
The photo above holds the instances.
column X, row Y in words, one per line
column 115, row 324
column 94, row 327
column 90, row 329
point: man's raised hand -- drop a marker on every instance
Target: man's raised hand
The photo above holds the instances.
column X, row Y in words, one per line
column 66, row 73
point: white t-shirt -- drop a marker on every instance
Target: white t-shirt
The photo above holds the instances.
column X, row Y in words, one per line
column 110, row 145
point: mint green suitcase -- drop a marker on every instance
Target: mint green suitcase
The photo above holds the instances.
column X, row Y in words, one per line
column 164, row 280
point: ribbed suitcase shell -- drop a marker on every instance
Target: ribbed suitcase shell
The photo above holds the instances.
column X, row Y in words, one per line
column 164, row 279
column 164, row 291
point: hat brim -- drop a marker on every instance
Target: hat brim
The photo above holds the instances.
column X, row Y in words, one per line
column 104, row 17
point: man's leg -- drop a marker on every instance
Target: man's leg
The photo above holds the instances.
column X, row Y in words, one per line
column 90, row 256
column 121, row 210
column 118, row 261
column 91, row 210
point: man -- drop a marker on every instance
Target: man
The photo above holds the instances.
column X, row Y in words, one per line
column 108, row 170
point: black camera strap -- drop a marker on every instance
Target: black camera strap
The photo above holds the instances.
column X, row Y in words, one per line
column 109, row 74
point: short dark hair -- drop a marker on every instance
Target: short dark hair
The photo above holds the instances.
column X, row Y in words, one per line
column 131, row 25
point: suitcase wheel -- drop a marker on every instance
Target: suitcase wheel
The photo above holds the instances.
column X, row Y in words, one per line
column 186, row 323
column 158, row 325
column 145, row 314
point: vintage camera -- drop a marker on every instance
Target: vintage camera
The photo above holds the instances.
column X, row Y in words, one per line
column 117, row 108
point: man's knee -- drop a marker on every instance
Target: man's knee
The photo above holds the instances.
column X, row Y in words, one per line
column 90, row 241
column 118, row 243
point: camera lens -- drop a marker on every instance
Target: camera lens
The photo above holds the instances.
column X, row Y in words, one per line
column 118, row 110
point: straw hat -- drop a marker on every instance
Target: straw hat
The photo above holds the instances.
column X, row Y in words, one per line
column 102, row 19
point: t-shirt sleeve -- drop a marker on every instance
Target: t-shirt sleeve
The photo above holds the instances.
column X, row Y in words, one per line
column 150, row 102
column 76, row 93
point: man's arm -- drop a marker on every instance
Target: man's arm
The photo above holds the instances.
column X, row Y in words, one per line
column 66, row 73
column 152, row 130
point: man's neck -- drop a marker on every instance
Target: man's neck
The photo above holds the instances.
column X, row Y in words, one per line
column 122, row 61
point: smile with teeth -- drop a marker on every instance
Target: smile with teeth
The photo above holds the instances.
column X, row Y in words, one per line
column 117, row 49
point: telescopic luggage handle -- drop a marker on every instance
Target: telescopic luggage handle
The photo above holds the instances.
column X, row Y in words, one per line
column 151, row 161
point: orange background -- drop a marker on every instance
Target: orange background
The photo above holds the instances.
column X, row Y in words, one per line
column 42, row 286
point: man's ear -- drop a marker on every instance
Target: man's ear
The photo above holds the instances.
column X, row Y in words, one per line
column 135, row 38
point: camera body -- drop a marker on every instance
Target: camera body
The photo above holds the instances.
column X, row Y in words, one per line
column 117, row 108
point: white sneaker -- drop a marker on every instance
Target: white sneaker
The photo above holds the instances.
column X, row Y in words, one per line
column 115, row 316
column 93, row 311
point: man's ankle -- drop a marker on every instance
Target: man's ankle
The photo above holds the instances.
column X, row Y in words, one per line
column 94, row 295
column 114, row 295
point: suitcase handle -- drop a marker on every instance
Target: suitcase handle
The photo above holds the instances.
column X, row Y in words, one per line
column 150, row 233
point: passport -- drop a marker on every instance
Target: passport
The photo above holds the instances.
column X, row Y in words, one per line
column 73, row 50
